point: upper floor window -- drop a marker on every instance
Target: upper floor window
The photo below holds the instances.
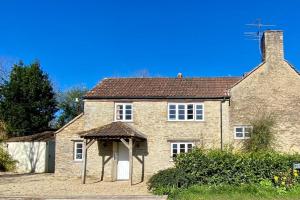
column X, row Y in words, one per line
column 180, row 147
column 242, row 132
column 185, row 111
column 78, row 149
column 123, row 112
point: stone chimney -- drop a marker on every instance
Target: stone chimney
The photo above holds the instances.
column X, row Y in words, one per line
column 272, row 45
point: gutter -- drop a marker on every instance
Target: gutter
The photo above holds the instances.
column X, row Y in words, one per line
column 150, row 97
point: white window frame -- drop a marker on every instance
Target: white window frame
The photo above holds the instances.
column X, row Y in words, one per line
column 178, row 147
column 124, row 112
column 243, row 127
column 75, row 150
column 185, row 112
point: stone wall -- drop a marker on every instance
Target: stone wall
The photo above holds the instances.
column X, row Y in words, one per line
column 150, row 118
column 271, row 88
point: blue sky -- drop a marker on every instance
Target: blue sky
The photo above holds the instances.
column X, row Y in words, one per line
column 81, row 42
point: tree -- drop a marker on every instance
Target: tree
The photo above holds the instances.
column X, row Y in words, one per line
column 27, row 100
column 70, row 103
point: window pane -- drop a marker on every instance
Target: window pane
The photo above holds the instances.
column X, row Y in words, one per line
column 190, row 146
column 182, row 148
column 79, row 145
column 119, row 107
column 174, row 150
column 199, row 112
column 199, row 107
column 239, row 135
column 181, row 112
column 128, row 117
column 128, row 107
column 247, row 129
column 173, row 107
column 247, row 134
column 199, row 117
column 79, row 156
column 172, row 112
column 190, row 106
column 128, row 111
column 181, row 107
column 172, row 117
column 79, row 150
column 181, row 117
column 239, row 130
column 119, row 117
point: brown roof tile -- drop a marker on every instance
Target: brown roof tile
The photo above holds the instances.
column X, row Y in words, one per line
column 162, row 88
column 113, row 130
column 37, row 137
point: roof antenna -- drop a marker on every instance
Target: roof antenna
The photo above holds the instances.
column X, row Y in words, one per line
column 257, row 34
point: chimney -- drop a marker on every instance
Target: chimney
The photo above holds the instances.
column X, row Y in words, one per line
column 272, row 45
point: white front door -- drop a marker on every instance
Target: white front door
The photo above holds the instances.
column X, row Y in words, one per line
column 123, row 162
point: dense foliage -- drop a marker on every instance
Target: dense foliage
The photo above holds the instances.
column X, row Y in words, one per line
column 27, row 100
column 222, row 167
column 6, row 161
column 70, row 104
column 262, row 134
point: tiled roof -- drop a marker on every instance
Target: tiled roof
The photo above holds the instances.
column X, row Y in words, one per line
column 114, row 130
column 163, row 88
column 38, row 137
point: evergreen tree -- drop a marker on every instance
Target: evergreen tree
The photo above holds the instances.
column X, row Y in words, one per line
column 70, row 103
column 27, row 100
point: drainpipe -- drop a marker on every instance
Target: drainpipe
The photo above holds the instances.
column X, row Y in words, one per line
column 221, row 122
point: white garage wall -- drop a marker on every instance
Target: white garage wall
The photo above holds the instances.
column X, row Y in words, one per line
column 30, row 156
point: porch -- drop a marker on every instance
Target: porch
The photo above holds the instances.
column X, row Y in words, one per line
column 123, row 139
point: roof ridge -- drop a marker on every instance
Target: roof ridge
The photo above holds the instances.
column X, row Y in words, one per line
column 193, row 77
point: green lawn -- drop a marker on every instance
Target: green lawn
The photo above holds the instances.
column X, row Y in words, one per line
column 244, row 192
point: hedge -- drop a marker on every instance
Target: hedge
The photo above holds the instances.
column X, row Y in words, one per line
column 222, row 167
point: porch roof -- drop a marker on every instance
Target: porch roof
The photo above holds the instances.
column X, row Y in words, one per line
column 114, row 130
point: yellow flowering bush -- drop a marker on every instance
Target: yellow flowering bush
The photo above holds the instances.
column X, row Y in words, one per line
column 286, row 180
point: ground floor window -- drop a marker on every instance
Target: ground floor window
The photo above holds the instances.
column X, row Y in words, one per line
column 242, row 132
column 78, row 149
column 180, row 147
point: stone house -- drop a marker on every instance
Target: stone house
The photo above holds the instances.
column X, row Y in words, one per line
column 133, row 127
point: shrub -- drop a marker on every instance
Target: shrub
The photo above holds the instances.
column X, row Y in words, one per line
column 222, row 167
column 6, row 161
column 262, row 133
column 167, row 180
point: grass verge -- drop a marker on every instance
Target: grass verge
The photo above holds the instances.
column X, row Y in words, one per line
column 228, row 192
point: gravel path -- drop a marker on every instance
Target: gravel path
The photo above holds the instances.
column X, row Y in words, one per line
column 41, row 185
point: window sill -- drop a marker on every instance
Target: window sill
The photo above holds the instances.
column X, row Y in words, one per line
column 242, row 138
column 185, row 120
column 129, row 121
column 77, row 161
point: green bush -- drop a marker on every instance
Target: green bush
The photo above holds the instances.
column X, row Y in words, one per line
column 222, row 167
column 6, row 161
column 262, row 133
column 167, row 180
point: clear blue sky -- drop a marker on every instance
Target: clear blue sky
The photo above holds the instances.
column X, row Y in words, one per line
column 81, row 42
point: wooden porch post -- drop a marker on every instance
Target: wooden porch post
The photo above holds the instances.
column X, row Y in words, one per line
column 84, row 161
column 86, row 145
column 130, row 160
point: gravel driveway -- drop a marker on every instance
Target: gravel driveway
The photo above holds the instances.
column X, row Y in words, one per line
column 41, row 185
